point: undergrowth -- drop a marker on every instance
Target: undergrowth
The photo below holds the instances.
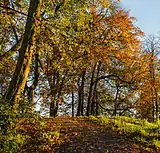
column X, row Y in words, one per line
column 24, row 132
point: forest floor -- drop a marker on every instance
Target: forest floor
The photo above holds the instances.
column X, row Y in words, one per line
column 77, row 135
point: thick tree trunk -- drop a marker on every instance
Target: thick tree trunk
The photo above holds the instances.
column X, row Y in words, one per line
column 20, row 75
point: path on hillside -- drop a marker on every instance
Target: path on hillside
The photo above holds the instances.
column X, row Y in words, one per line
column 83, row 136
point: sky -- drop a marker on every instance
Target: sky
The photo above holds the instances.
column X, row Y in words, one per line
column 147, row 13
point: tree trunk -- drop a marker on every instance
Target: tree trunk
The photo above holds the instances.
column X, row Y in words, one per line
column 59, row 91
column 90, row 92
column 52, row 83
column 82, row 91
column 56, row 88
column 79, row 101
column 79, row 98
column 72, row 104
column 156, row 104
column 20, row 75
column 115, row 100
column 97, row 104
column 35, row 82
column 93, row 105
column 52, row 105
column 81, row 94
column 31, row 101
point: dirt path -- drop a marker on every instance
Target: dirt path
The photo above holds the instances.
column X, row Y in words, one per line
column 78, row 136
column 82, row 136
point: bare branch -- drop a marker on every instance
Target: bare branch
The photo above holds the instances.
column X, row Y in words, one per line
column 11, row 9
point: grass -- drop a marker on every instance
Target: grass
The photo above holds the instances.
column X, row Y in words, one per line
column 142, row 131
column 25, row 134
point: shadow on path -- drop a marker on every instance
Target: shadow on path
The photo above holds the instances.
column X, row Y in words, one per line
column 86, row 137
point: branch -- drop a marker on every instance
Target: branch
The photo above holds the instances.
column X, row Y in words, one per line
column 112, row 76
column 120, row 109
column 13, row 49
column 13, row 27
column 11, row 9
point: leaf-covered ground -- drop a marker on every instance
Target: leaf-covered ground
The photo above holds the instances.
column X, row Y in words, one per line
column 75, row 135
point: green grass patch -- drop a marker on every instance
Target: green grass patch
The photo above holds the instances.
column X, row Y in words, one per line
column 141, row 130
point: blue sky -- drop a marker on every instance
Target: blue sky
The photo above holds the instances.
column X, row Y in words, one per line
column 147, row 13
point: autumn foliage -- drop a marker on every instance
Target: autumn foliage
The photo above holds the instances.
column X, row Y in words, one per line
column 75, row 58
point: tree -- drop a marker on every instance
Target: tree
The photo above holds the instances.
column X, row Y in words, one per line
column 20, row 75
column 151, row 46
column 89, row 49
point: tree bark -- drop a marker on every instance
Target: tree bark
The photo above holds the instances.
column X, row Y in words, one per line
column 72, row 104
column 94, row 101
column 81, row 94
column 97, row 104
column 156, row 104
column 90, row 92
column 57, row 84
column 35, row 82
column 20, row 75
column 79, row 101
column 82, row 91
column 115, row 100
column 53, row 82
